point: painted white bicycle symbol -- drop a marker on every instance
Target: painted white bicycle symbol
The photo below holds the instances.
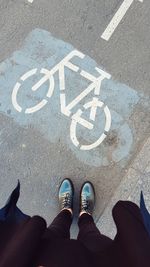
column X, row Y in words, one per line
column 76, row 118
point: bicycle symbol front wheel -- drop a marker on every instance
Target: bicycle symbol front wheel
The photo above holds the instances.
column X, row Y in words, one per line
column 77, row 119
column 43, row 102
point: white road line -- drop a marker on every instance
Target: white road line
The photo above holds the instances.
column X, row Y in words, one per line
column 30, row 1
column 117, row 19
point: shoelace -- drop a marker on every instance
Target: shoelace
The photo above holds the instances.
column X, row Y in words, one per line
column 85, row 204
column 67, row 200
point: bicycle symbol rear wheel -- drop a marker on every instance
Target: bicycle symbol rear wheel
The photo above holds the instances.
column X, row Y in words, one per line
column 43, row 102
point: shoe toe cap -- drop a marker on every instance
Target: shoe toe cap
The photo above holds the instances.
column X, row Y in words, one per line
column 88, row 189
column 66, row 186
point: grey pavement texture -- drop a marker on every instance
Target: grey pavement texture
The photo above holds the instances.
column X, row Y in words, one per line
column 136, row 179
column 25, row 152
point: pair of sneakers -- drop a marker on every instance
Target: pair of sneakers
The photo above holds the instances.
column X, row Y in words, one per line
column 87, row 196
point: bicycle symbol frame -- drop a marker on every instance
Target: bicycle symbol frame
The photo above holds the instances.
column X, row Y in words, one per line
column 76, row 118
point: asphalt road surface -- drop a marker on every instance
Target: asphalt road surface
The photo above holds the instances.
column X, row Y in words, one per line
column 42, row 146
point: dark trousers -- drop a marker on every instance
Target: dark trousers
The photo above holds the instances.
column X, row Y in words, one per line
column 89, row 234
column 131, row 232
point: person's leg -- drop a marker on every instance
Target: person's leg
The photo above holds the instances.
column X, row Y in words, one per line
column 90, row 236
column 132, row 236
column 60, row 226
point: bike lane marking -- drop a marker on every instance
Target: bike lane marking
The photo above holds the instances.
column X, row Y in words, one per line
column 117, row 19
column 95, row 85
column 42, row 51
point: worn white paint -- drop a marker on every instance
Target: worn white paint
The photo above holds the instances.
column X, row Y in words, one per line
column 76, row 118
column 30, row 1
column 37, row 107
column 117, row 19
column 95, row 86
column 60, row 67
column 14, row 97
column 28, row 74
column 48, row 75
